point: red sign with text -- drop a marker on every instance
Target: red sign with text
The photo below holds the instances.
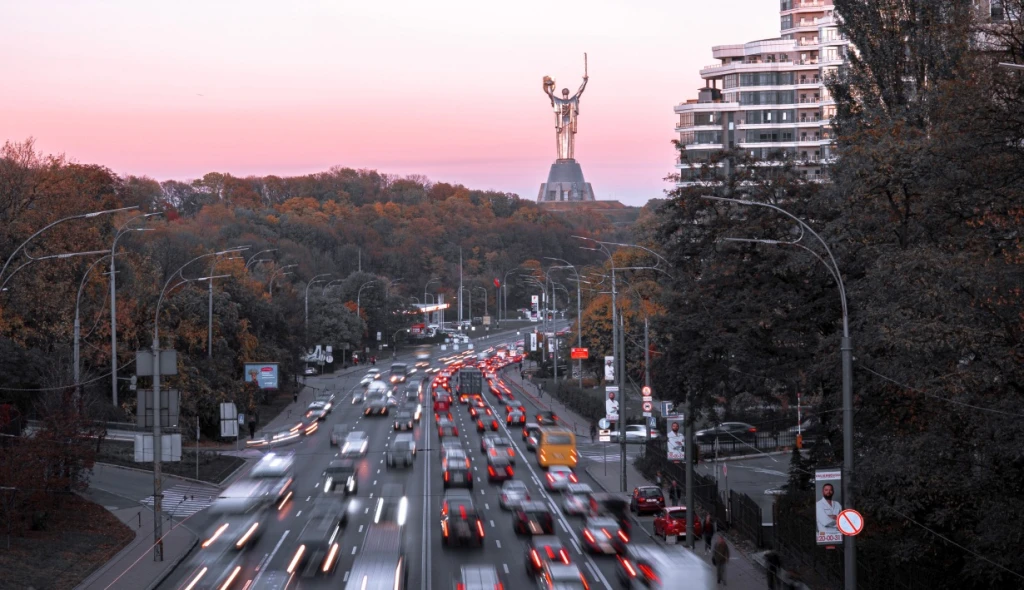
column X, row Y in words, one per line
column 579, row 353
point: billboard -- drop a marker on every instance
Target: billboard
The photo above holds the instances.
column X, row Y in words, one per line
column 828, row 486
column 533, row 341
column 264, row 374
column 676, row 440
column 579, row 353
column 611, row 404
column 534, row 306
column 609, row 369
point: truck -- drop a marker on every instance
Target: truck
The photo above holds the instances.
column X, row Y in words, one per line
column 471, row 381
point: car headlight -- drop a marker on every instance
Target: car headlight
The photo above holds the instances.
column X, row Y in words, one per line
column 344, row 449
column 362, row 449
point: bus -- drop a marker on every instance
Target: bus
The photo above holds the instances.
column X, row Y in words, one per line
column 556, row 446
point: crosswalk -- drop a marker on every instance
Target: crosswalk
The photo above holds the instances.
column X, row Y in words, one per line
column 184, row 500
column 598, row 453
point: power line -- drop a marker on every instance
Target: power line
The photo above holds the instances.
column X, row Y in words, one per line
column 939, row 397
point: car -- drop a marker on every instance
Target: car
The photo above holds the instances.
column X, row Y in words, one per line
column 358, row 397
column 482, row 426
column 478, row 577
column 404, row 420
column 515, row 419
column 310, row 371
column 513, row 492
column 460, row 522
column 602, row 534
column 480, row 412
column 392, row 506
column 338, row 432
column 646, row 499
column 499, row 469
column 672, row 521
column 514, row 406
column 729, row 433
column 446, row 428
column 486, row 439
column 648, row 566
column 451, row 444
column 341, row 475
column 367, row 379
column 318, row 410
column 463, row 398
column 543, row 550
column 533, row 518
column 576, row 499
column 407, row 437
column 531, row 428
column 377, row 406
column 355, row 445
column 320, row 537
column 454, row 456
column 502, row 446
column 638, row 433
column 275, row 473
column 559, row 477
column 547, row 418
column 563, row 577
column 415, row 409
column 457, row 474
column 401, row 453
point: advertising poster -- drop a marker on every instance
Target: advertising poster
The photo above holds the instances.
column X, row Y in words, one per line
column 609, row 369
column 828, row 485
column 676, row 440
column 535, row 305
column 264, row 374
column 611, row 404
column 533, row 341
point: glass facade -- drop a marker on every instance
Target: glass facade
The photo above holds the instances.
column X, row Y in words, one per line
column 770, row 135
column 700, row 137
column 770, row 117
column 787, row 22
column 768, row 97
column 767, row 79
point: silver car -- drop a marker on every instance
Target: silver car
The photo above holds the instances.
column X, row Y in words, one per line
column 559, row 477
column 513, row 493
column 355, row 444
column 576, row 499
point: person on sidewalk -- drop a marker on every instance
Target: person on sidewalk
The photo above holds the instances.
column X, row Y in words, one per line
column 675, row 492
column 708, row 530
column 773, row 564
column 720, row 559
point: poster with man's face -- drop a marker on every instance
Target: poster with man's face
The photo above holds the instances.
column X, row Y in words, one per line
column 676, row 441
column 828, row 485
column 609, row 369
column 611, row 404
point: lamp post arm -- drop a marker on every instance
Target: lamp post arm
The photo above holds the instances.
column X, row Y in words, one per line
column 3, row 285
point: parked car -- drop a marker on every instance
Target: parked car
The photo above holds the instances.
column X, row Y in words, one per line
column 672, row 521
column 647, row 499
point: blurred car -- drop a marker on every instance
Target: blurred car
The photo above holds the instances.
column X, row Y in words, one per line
column 237, row 524
column 499, row 469
column 453, row 455
column 502, row 446
column 543, row 550
column 403, row 420
column 576, row 499
column 657, row 568
column 516, row 418
column 559, row 477
column 530, row 428
column 478, row 577
column 318, row 410
column 638, row 433
column 341, row 476
column 451, row 444
column 310, row 371
column 338, row 432
column 672, row 521
column 647, row 499
column 355, row 445
column 401, row 453
column 559, row 576
column 464, row 398
column 533, row 518
column 547, row 418
column 392, row 505
column 513, row 493
column 483, row 426
column 460, row 522
column 447, row 428
column 456, row 474
column 602, row 534
column 486, row 440
column 358, row 397
column 728, row 432
column 275, row 472
column 320, row 540
column 512, row 405
column 377, row 406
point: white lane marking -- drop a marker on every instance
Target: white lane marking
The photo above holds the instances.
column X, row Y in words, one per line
column 505, row 565
column 593, row 570
column 353, row 550
column 261, row 568
column 298, row 514
column 345, row 579
column 374, row 482
column 564, row 528
column 360, row 528
column 576, row 546
column 367, row 511
column 498, row 542
column 492, row 524
column 487, row 506
column 308, row 498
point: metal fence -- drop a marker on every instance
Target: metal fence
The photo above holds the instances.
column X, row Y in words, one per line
column 746, row 517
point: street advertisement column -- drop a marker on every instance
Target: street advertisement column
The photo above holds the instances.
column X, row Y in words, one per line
column 611, row 404
column 676, row 440
column 534, row 307
column 828, row 485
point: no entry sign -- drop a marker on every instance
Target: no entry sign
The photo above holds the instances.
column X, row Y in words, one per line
column 850, row 522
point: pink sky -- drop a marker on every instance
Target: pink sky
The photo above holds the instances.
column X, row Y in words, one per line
column 448, row 89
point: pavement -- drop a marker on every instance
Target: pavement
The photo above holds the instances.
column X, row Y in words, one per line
column 745, row 571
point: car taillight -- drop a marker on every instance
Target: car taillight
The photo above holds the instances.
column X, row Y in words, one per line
column 460, row 586
column 511, row 453
column 455, row 431
column 628, row 567
column 751, row 430
column 624, row 537
column 564, row 555
column 508, row 470
column 551, row 478
column 590, row 537
column 490, row 470
column 480, row 528
column 444, row 527
column 535, row 558
column 573, row 478
column 606, row 533
column 648, row 572
column 446, row 476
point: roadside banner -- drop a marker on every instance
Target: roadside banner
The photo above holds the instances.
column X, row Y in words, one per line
column 828, row 485
column 676, row 440
column 609, row 369
column 264, row 374
column 533, row 341
column 611, row 404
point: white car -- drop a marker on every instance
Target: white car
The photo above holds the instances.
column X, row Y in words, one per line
column 559, row 477
column 637, row 433
column 310, row 371
column 513, row 492
column 355, row 444
column 576, row 499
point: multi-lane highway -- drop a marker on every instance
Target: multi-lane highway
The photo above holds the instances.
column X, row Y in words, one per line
column 431, row 565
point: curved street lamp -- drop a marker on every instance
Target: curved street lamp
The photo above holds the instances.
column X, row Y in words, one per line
column 579, row 312
column 328, row 286
column 305, row 322
column 254, row 259
column 485, row 301
column 280, row 271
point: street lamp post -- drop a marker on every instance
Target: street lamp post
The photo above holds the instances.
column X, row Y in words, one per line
column 254, row 259
column 78, row 326
column 846, row 353
column 329, row 285
column 485, row 300
column 579, row 314
column 425, row 293
column 315, row 279
column 460, row 304
column 278, row 272
column 359, row 294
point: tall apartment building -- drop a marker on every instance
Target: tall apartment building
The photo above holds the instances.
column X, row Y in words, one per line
column 769, row 96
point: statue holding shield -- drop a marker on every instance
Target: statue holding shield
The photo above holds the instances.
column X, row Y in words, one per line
column 567, row 110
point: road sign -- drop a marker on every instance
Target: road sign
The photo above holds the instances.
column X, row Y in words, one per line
column 579, row 353
column 645, row 391
column 648, row 407
column 850, row 523
column 378, row 336
column 604, row 424
column 667, row 408
column 648, row 398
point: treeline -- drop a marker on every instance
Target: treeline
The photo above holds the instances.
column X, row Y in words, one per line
column 923, row 217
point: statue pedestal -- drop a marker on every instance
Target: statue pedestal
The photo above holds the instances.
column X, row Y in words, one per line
column 565, row 183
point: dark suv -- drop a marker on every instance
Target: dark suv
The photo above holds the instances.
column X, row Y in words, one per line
column 647, row 499
column 460, row 523
column 533, row 518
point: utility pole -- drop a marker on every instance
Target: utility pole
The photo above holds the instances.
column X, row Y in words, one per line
column 647, row 354
column 624, row 403
column 460, row 288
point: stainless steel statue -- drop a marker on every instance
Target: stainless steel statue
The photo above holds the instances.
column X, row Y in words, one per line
column 567, row 110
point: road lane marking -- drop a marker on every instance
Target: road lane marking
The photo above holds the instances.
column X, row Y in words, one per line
column 492, row 524
column 360, row 528
column 298, row 514
column 564, row 528
column 345, row 579
column 353, row 550
column 308, row 498
column 576, row 546
column 487, row 506
column 505, row 565
column 498, row 542
column 272, row 553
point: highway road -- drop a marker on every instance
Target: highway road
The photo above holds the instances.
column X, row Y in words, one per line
column 430, row 564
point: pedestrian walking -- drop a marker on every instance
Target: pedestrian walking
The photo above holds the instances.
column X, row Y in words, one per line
column 658, row 480
column 674, row 492
column 708, row 532
column 720, row 559
column 593, row 430
column 773, row 563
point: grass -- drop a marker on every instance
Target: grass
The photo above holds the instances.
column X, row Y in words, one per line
column 79, row 537
column 214, row 467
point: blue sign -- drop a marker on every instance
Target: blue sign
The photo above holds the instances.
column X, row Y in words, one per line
column 652, row 422
column 264, row 374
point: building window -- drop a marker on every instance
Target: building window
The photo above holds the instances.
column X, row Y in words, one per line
column 787, row 22
column 786, row 5
column 996, row 10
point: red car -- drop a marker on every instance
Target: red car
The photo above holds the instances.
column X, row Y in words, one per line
column 647, row 499
column 672, row 521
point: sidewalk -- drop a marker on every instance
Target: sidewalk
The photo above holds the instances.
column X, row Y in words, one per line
column 133, row 568
column 743, row 570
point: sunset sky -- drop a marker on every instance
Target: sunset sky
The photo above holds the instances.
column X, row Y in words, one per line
column 449, row 89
